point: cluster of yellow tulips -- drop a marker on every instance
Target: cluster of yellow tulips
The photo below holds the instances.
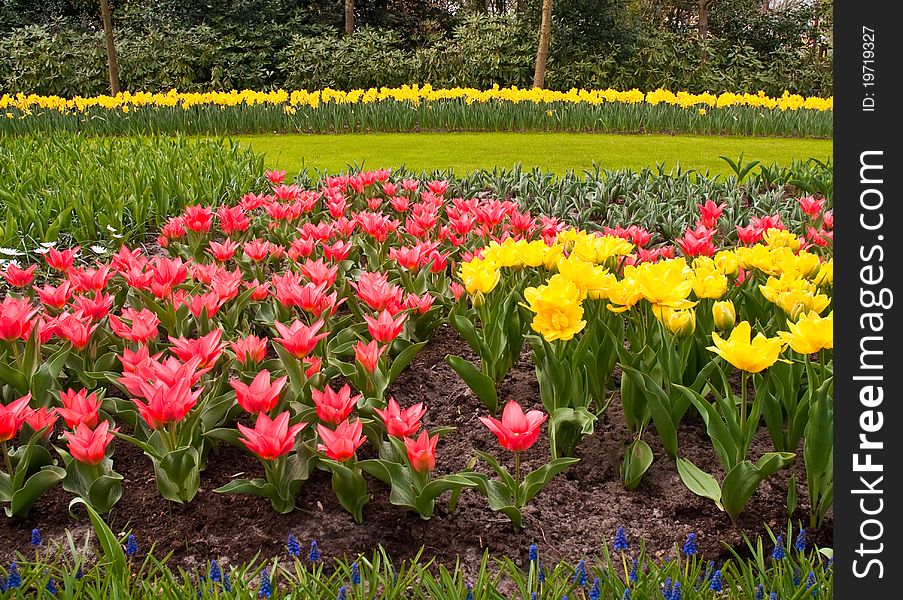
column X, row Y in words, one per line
column 413, row 94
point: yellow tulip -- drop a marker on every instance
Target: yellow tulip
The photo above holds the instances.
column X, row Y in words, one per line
column 810, row 333
column 709, row 284
column 558, row 311
column 667, row 282
column 751, row 356
column 724, row 315
column 479, row 276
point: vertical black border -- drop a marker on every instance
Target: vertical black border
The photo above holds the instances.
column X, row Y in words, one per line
column 857, row 131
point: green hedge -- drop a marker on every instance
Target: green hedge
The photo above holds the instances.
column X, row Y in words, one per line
column 484, row 50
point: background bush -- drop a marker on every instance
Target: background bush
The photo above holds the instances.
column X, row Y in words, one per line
column 57, row 47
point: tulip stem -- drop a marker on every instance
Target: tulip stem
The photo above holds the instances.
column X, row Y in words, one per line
column 743, row 376
column 517, row 468
column 6, row 461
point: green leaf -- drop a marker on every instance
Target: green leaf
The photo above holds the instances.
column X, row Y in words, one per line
column 112, row 549
column 536, row 480
column 403, row 359
column 178, row 474
column 745, row 477
column 350, row 488
column 699, row 482
column 24, row 498
column 637, row 460
column 482, row 385
column 105, row 492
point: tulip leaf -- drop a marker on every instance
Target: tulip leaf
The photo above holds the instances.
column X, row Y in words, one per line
column 536, row 480
column 349, row 487
column 499, row 496
column 224, row 434
column 403, row 359
column 699, row 482
column 745, row 477
column 112, row 549
column 500, row 470
column 482, row 385
column 14, row 378
column 467, row 331
column 637, row 460
column 251, row 487
column 177, row 474
column 25, row 496
column 723, row 441
column 659, row 406
column 105, row 492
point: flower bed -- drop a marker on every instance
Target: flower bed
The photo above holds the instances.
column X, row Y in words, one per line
column 268, row 351
column 416, row 108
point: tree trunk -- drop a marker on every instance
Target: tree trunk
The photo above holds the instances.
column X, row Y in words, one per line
column 112, row 63
column 704, row 18
column 349, row 17
column 542, row 52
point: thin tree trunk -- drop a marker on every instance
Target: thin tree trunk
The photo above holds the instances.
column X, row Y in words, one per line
column 349, row 17
column 112, row 63
column 704, row 18
column 542, row 52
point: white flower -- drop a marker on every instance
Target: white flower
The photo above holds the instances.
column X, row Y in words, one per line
column 41, row 250
column 98, row 249
column 10, row 251
column 48, row 244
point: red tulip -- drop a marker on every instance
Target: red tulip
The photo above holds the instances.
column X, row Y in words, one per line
column 385, row 329
column 457, row 290
column 299, row 339
column 251, row 349
column 232, row 219
column 697, row 242
column 207, row 348
column 334, row 407
column 223, row 252
column 198, row 218
column 438, row 187
column 261, row 290
column 337, row 251
column 811, row 206
column 257, row 249
column 376, row 291
column 143, row 326
column 516, row 431
column 401, row 422
column 54, row 297
column 165, row 403
column 210, row 302
column 261, row 395
column 12, row 416
column 749, row 235
column 96, row 308
column 90, row 280
column 828, row 219
column 76, row 328
column 421, row 304
column 61, row 260
column 16, row 276
column 41, row 418
column 79, row 407
column 422, row 452
column 275, row 177
column 16, row 318
column 270, row 438
column 368, row 354
column 710, row 212
column 342, row 443
column 89, row 446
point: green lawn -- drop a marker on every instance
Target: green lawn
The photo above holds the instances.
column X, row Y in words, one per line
column 557, row 152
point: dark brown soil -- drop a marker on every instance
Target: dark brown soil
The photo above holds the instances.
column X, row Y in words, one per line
column 568, row 519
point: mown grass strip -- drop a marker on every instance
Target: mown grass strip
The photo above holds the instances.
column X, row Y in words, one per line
column 558, row 153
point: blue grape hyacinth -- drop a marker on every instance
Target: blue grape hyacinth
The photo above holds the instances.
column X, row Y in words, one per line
column 800, row 544
column 216, row 574
column 294, row 548
column 620, row 540
column 533, row 553
column 778, row 553
column 314, row 555
column 716, row 583
column 36, row 537
column 13, row 578
column 131, row 546
column 690, row 545
column 595, row 592
column 355, row 574
column 266, row 587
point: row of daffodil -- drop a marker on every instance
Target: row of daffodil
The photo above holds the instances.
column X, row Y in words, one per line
column 592, row 305
column 413, row 94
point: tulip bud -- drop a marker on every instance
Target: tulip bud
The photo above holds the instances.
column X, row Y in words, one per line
column 799, row 309
column 724, row 314
column 682, row 323
column 478, row 300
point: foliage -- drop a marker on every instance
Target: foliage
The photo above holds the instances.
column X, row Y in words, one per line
column 299, row 51
column 126, row 571
column 68, row 188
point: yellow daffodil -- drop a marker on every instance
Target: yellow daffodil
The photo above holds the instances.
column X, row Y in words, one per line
column 749, row 355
